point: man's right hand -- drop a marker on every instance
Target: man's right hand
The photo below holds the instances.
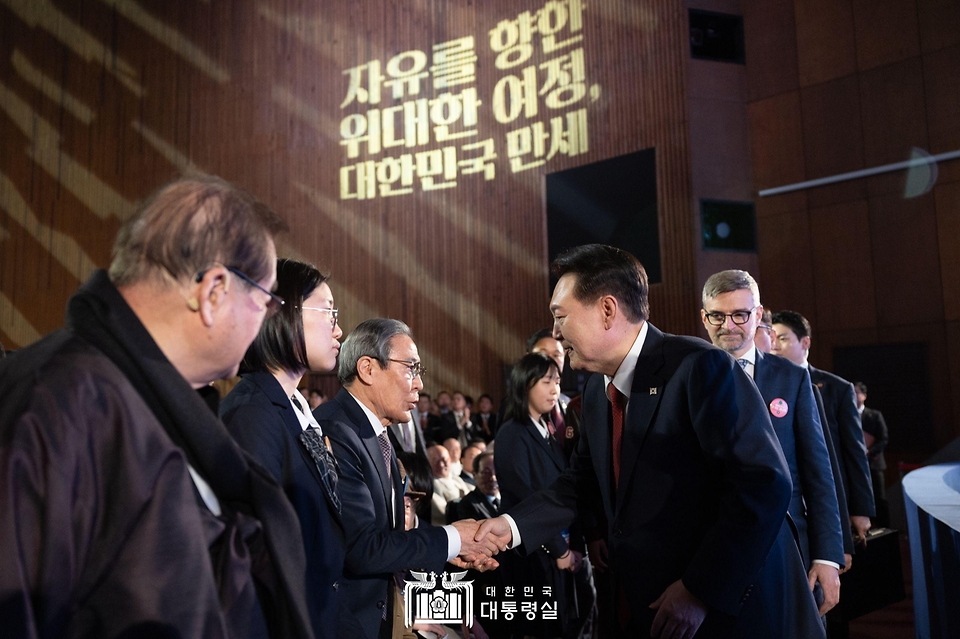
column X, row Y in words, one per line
column 498, row 528
column 476, row 548
column 847, row 563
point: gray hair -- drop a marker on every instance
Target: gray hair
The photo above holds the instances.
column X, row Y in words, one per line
column 727, row 282
column 369, row 339
column 190, row 224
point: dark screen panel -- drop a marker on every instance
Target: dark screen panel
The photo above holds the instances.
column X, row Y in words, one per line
column 898, row 385
column 608, row 202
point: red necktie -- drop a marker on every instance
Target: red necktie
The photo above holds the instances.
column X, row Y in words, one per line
column 618, row 402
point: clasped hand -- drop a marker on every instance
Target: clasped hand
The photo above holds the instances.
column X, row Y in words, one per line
column 478, row 548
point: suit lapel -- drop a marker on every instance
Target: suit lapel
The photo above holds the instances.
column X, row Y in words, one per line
column 763, row 374
column 644, row 400
column 370, row 442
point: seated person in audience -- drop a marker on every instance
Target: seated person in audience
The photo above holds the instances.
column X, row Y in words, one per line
column 446, row 487
column 420, row 477
column 455, row 449
column 466, row 460
column 484, row 419
column 484, row 502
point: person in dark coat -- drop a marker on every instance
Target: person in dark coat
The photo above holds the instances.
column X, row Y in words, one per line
column 679, row 453
column 530, row 459
column 130, row 510
column 271, row 420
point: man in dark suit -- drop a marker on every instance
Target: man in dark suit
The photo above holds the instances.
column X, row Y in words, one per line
column 407, row 437
column 875, row 436
column 484, row 420
column 731, row 314
column 381, row 375
column 840, row 403
column 484, row 502
column 684, row 463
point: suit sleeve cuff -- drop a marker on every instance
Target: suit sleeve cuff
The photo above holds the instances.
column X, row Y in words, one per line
column 827, row 563
column 453, row 542
column 514, row 532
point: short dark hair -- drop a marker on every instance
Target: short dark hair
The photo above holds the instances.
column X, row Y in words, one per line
column 536, row 337
column 190, row 224
column 427, row 395
column 280, row 344
column 478, row 459
column 606, row 270
column 485, row 395
column 528, row 370
column 861, row 388
column 794, row 320
column 419, row 478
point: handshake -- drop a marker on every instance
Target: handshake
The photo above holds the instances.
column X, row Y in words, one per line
column 480, row 541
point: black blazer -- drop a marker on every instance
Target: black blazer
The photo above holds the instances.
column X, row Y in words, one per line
column 473, row 505
column 837, row 476
column 377, row 545
column 874, row 424
column 703, row 495
column 259, row 416
column 840, row 403
column 813, row 505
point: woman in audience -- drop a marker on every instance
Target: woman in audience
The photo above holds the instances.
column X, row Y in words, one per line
column 529, row 458
column 272, row 421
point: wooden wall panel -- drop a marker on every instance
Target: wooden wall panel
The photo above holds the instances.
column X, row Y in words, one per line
column 886, row 31
column 942, row 84
column 771, row 48
column 833, row 138
column 101, row 103
column 826, row 44
column 894, row 118
column 938, row 24
column 776, row 136
column 843, row 266
column 786, row 275
column 906, row 271
column 947, row 198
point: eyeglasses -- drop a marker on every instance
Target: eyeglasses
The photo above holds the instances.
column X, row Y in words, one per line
column 414, row 369
column 717, row 318
column 274, row 303
column 333, row 312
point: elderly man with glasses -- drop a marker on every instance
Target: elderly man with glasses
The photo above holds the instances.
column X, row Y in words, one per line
column 380, row 371
column 129, row 510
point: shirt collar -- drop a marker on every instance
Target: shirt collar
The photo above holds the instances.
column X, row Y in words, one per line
column 304, row 414
column 623, row 379
column 374, row 420
column 540, row 427
column 751, row 357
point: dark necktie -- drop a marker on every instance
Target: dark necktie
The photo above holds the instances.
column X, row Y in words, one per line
column 496, row 505
column 743, row 363
column 385, row 448
column 325, row 461
column 618, row 403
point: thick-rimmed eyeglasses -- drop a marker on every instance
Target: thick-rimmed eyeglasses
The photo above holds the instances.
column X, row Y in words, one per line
column 333, row 312
column 717, row 318
column 414, row 369
column 274, row 302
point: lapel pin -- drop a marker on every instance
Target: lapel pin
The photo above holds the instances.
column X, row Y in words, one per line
column 779, row 408
column 653, row 391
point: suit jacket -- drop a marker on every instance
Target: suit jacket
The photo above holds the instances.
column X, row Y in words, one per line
column 874, row 424
column 474, row 505
column 395, row 433
column 702, row 496
column 492, row 424
column 837, row 476
column 813, row 505
column 377, row 545
column 840, row 403
column 261, row 419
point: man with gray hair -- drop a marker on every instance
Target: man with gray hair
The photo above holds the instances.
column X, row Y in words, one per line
column 129, row 509
column 731, row 314
column 381, row 373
